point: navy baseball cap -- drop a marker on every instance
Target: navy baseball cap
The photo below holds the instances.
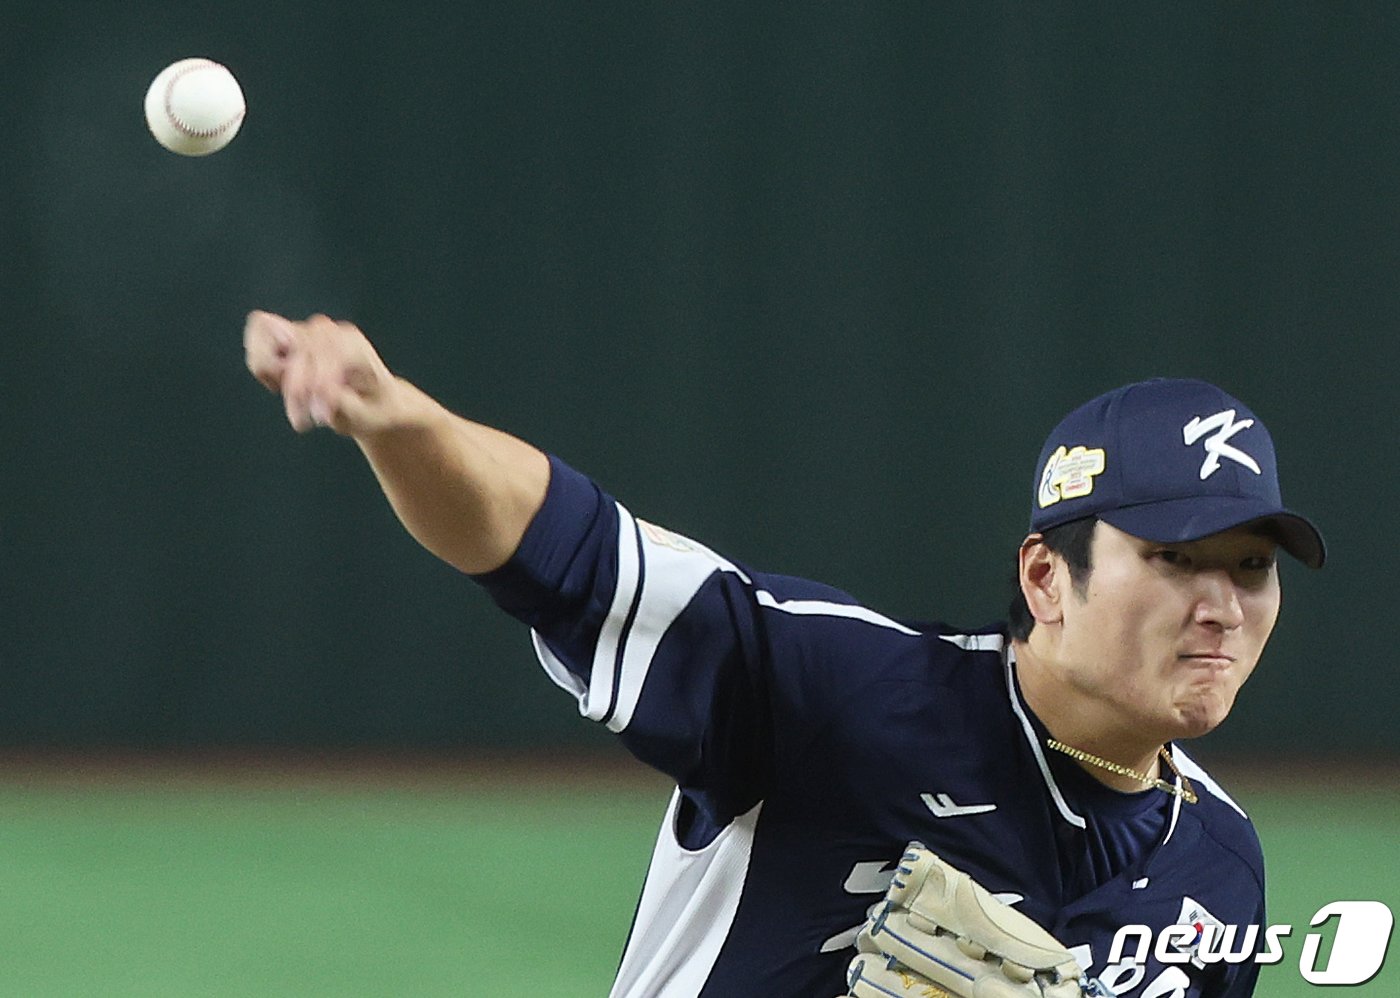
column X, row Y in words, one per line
column 1167, row 460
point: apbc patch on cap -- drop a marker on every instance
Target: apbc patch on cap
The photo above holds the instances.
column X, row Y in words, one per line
column 1069, row 474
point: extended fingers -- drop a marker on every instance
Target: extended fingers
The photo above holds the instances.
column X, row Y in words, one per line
column 298, row 384
column 267, row 342
column 326, row 371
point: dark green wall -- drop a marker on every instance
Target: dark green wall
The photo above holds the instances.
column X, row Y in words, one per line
column 807, row 281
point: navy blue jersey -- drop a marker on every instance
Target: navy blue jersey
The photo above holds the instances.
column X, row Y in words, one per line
column 810, row 738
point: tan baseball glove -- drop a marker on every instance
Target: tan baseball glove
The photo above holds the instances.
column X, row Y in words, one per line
column 940, row 934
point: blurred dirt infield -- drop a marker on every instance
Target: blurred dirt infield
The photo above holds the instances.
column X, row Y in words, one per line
column 263, row 769
column 444, row 771
column 1314, row 776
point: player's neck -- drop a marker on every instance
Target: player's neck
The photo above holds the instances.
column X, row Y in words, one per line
column 1081, row 722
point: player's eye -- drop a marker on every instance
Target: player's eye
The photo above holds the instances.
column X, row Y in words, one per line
column 1259, row 563
column 1173, row 557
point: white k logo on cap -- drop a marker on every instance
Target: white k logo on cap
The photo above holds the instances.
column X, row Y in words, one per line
column 1218, row 446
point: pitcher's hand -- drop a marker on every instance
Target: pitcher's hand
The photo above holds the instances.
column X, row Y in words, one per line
column 327, row 373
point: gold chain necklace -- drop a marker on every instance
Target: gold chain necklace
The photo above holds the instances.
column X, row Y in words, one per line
column 1186, row 792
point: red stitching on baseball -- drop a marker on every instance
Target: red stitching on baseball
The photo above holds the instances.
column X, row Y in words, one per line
column 195, row 133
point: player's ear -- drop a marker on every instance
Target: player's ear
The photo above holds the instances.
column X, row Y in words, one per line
column 1042, row 576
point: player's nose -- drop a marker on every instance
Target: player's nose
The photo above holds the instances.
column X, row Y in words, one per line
column 1218, row 600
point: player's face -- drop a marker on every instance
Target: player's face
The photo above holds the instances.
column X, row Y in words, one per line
column 1167, row 633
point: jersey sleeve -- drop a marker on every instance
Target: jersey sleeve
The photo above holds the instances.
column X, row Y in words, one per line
column 706, row 670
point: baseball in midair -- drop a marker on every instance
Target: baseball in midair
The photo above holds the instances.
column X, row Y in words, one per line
column 194, row 107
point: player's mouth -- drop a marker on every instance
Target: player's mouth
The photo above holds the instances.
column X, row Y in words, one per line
column 1208, row 659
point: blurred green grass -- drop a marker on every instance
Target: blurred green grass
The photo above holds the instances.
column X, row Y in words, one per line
column 222, row 892
column 1327, row 844
column 202, row 889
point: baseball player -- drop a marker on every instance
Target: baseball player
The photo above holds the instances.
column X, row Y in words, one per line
column 872, row 806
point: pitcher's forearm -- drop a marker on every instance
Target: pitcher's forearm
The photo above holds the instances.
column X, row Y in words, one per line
column 463, row 490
